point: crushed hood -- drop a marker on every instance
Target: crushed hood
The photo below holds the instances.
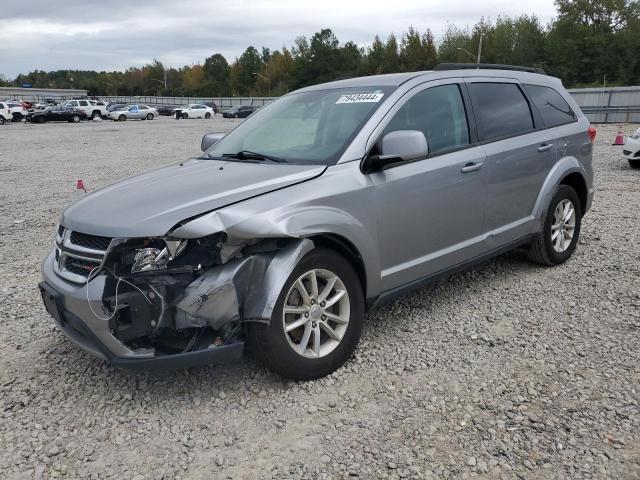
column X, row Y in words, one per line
column 152, row 203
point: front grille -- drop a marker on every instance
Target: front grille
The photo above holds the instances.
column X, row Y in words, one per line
column 77, row 254
column 78, row 266
column 93, row 242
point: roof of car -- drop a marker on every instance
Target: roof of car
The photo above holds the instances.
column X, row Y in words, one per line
column 442, row 71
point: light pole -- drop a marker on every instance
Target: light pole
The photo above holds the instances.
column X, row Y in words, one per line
column 476, row 58
column 265, row 78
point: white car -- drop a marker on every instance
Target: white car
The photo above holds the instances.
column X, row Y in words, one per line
column 5, row 114
column 136, row 111
column 92, row 108
column 195, row 110
column 631, row 149
column 17, row 110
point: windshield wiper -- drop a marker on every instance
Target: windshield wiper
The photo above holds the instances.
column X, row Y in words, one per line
column 249, row 155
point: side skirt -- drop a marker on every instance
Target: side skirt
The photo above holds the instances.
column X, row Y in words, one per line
column 434, row 277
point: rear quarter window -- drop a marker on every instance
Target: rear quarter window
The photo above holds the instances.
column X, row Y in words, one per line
column 501, row 109
column 553, row 109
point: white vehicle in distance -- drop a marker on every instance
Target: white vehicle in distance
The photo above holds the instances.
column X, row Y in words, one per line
column 135, row 111
column 17, row 110
column 5, row 114
column 92, row 108
column 631, row 149
column 195, row 110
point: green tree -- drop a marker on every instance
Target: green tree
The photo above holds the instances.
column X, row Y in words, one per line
column 243, row 70
column 417, row 52
column 216, row 75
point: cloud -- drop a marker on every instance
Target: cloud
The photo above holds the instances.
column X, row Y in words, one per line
column 116, row 34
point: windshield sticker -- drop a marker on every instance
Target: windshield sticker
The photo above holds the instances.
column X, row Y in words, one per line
column 360, row 98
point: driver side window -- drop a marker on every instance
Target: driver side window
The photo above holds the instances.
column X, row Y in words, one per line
column 439, row 113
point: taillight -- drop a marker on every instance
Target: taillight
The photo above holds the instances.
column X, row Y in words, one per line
column 592, row 132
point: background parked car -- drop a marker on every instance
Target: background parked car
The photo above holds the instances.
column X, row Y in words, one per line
column 167, row 109
column 18, row 112
column 212, row 105
column 92, row 108
column 115, row 106
column 195, row 110
column 5, row 114
column 239, row 111
column 57, row 114
column 136, row 111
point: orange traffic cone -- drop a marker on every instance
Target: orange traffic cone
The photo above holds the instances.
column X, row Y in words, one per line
column 80, row 190
column 619, row 137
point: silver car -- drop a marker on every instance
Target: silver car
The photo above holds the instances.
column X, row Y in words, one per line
column 319, row 206
column 129, row 112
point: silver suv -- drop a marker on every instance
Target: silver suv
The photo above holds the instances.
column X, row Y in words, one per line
column 320, row 205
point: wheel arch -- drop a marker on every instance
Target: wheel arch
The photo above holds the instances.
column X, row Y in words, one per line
column 348, row 250
column 576, row 181
column 567, row 171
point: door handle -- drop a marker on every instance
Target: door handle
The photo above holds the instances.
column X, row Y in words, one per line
column 545, row 147
column 471, row 167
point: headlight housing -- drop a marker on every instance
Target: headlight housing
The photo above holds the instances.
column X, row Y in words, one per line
column 150, row 259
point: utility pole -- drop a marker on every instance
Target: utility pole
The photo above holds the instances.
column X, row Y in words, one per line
column 479, row 48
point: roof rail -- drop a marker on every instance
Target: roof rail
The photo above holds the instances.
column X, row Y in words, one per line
column 487, row 66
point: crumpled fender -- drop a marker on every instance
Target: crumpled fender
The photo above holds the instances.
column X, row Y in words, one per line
column 244, row 289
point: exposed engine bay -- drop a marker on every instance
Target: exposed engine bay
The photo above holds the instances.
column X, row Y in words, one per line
column 174, row 296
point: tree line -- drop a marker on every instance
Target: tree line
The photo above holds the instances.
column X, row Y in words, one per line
column 590, row 42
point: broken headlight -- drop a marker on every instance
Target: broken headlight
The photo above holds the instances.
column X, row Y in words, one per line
column 174, row 255
column 150, row 259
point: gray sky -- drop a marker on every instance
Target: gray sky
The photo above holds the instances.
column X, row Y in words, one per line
column 116, row 34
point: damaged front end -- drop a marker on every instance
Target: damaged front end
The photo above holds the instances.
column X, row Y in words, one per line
column 171, row 297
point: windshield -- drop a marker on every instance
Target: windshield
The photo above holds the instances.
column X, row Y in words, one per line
column 309, row 127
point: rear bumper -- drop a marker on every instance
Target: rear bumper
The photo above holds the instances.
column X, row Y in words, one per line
column 68, row 305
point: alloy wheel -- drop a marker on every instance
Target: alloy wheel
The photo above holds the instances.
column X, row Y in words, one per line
column 563, row 227
column 316, row 312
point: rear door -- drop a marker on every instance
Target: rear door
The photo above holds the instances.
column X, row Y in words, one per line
column 519, row 155
column 430, row 211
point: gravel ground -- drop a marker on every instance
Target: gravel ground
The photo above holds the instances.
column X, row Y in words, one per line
column 509, row 370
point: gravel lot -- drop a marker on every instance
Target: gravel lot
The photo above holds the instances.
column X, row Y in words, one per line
column 509, row 370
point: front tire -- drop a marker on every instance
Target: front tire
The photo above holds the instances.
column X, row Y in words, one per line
column 317, row 319
column 75, row 119
column 561, row 229
column 185, row 115
column 1, row 120
column 95, row 114
column 634, row 163
column 122, row 118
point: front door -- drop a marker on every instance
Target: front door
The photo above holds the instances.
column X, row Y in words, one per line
column 431, row 211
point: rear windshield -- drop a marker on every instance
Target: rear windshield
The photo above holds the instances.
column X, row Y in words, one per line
column 312, row 127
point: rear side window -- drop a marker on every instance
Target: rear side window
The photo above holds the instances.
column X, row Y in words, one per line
column 552, row 107
column 501, row 110
column 439, row 113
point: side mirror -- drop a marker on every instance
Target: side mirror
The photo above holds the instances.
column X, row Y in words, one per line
column 398, row 146
column 210, row 139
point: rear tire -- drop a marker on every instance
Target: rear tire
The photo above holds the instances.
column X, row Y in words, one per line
column 94, row 114
column 1, row 120
column 634, row 163
column 553, row 245
column 280, row 350
column 207, row 115
column 149, row 116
